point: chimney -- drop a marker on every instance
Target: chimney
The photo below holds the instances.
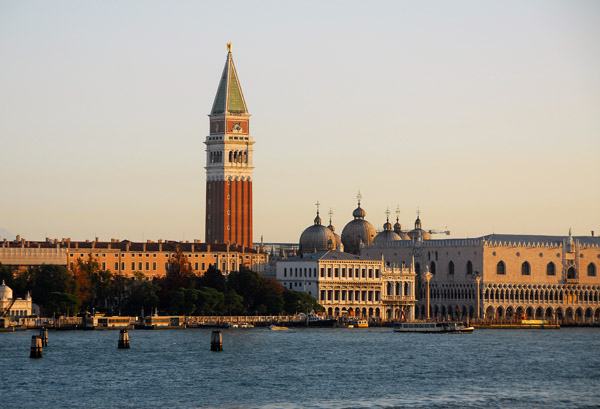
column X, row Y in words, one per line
column 144, row 247
column 208, row 248
column 18, row 237
column 160, row 245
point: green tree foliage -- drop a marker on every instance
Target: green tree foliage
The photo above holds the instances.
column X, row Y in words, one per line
column 62, row 304
column 201, row 301
column 213, row 278
column 18, row 282
column 298, row 301
column 47, row 279
column 261, row 295
column 144, row 294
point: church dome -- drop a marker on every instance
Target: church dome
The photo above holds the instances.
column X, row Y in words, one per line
column 6, row 292
column 317, row 238
column 359, row 213
column 357, row 232
column 387, row 234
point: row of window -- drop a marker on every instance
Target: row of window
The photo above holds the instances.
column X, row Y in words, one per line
column 141, row 266
column 335, row 272
column 550, row 269
column 350, row 295
column 133, row 255
column 433, row 268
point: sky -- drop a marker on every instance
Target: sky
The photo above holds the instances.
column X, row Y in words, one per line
column 484, row 116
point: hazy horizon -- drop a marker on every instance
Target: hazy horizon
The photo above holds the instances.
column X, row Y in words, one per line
column 483, row 115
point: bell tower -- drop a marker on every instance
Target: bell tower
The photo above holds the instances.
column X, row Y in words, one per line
column 229, row 164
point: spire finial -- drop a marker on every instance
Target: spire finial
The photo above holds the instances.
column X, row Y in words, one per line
column 359, row 198
column 317, row 204
column 418, row 213
column 330, row 215
column 387, row 214
column 398, row 213
column 229, row 47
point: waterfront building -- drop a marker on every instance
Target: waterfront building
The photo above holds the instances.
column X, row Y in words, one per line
column 229, row 149
column 349, row 285
column 124, row 257
column 14, row 307
column 502, row 276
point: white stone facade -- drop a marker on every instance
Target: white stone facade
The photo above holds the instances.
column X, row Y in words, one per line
column 348, row 285
column 545, row 277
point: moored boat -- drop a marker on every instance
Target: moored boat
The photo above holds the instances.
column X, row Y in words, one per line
column 277, row 328
column 433, row 327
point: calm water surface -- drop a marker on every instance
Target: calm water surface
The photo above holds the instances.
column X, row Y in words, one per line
column 304, row 368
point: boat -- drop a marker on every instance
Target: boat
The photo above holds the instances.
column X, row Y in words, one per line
column 277, row 328
column 211, row 324
column 310, row 320
column 362, row 324
column 441, row 327
column 100, row 321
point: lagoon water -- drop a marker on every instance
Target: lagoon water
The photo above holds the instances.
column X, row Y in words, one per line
column 304, row 368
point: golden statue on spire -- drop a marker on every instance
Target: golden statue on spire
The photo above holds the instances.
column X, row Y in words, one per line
column 229, row 47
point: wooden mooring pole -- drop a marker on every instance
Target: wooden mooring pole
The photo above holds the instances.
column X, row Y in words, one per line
column 216, row 341
column 123, row 339
column 36, row 347
column 44, row 336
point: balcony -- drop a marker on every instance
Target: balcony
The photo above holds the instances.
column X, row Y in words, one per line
column 397, row 298
column 572, row 281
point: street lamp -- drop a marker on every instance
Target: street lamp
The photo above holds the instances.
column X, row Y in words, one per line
column 427, row 276
column 478, row 279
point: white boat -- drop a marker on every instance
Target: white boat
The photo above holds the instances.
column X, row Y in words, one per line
column 433, row 327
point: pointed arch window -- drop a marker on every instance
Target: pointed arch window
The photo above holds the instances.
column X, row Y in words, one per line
column 469, row 267
column 451, row 268
column 551, row 269
column 591, row 270
column 525, row 269
column 432, row 267
column 501, row 268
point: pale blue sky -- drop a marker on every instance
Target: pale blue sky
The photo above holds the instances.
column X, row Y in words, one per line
column 485, row 115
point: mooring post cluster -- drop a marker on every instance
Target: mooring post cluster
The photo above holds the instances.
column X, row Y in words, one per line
column 123, row 339
column 216, row 341
column 36, row 347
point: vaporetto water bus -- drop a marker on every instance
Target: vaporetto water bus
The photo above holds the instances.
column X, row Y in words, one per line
column 433, row 327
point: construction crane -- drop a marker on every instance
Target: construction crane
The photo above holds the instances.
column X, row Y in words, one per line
column 446, row 232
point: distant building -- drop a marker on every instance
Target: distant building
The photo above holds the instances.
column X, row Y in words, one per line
column 126, row 258
column 14, row 307
column 229, row 164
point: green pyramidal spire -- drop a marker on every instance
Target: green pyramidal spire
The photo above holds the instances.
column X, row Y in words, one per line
column 229, row 94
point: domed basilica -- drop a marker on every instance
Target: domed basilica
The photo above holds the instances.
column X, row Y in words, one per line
column 358, row 233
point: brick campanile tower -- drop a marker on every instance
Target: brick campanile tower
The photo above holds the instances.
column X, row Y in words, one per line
column 229, row 164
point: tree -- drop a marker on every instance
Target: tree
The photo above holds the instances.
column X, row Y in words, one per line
column 62, row 303
column 298, row 301
column 144, row 295
column 93, row 285
column 46, row 279
column 179, row 273
column 213, row 278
